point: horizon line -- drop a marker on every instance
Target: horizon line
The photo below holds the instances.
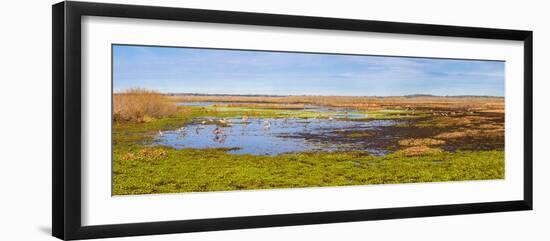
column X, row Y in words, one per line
column 313, row 95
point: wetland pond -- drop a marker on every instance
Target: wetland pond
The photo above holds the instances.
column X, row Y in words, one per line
column 273, row 136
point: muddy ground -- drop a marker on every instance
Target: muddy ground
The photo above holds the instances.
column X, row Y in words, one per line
column 475, row 132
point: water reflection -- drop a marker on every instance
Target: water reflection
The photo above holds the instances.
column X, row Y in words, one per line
column 267, row 136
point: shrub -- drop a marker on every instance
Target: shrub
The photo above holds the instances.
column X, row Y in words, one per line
column 141, row 105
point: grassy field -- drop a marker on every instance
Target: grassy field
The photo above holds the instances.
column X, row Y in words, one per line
column 457, row 104
column 440, row 139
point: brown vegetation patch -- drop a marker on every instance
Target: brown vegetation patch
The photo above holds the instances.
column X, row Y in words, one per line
column 471, row 133
column 140, row 105
column 457, row 134
column 419, row 151
column 459, row 121
column 358, row 134
column 420, row 142
column 491, row 127
column 438, row 105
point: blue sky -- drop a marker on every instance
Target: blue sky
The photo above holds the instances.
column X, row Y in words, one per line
column 213, row 71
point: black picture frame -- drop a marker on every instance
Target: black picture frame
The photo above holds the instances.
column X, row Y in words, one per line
column 66, row 75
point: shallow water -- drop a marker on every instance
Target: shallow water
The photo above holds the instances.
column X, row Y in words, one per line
column 261, row 136
column 335, row 112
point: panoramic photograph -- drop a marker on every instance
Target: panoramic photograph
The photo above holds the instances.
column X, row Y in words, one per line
column 202, row 119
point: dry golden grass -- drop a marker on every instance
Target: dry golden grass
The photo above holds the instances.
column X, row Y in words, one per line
column 140, row 105
column 421, row 142
column 497, row 132
column 458, row 134
column 420, row 151
column 453, row 121
column 491, row 126
column 450, row 121
column 362, row 134
column 459, row 105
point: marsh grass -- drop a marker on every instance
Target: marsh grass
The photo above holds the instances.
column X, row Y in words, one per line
column 200, row 170
column 140, row 105
column 471, row 133
column 358, row 134
column 420, row 146
column 142, row 168
column 145, row 154
column 420, row 142
column 455, row 104
column 419, row 151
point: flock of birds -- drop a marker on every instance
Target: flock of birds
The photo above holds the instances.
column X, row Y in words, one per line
column 219, row 131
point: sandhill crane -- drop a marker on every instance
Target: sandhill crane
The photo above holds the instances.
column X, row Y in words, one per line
column 216, row 131
column 182, row 132
column 267, row 124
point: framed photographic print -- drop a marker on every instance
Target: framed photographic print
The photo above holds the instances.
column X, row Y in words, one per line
column 169, row 120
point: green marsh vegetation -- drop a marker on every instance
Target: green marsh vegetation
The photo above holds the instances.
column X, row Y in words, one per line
column 437, row 139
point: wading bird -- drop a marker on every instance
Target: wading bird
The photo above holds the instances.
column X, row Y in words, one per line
column 182, row 131
column 216, row 131
column 267, row 124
